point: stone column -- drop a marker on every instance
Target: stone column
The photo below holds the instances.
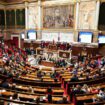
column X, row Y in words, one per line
column 77, row 15
column 26, row 15
column 39, row 20
column 97, row 14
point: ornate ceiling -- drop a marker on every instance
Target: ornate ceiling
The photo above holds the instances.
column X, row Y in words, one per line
column 3, row 0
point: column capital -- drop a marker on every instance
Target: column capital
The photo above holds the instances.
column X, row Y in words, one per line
column 25, row 0
column 39, row 3
column 78, row 1
column 98, row 0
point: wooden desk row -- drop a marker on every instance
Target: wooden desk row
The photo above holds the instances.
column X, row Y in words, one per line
column 87, row 98
column 89, row 82
column 40, row 90
column 4, row 101
column 27, row 97
column 33, row 83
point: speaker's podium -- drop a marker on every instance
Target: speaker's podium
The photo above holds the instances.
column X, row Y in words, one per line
column 52, row 47
column 48, row 63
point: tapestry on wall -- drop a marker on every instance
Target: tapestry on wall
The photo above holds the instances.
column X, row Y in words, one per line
column 10, row 18
column 2, row 19
column 58, row 17
column 20, row 18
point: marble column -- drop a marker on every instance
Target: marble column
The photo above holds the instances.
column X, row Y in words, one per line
column 97, row 14
column 26, row 15
column 77, row 15
column 39, row 20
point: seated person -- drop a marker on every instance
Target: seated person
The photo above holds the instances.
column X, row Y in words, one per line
column 85, row 88
column 31, row 90
column 13, row 86
column 74, row 78
column 32, row 51
column 5, row 84
column 95, row 99
column 93, row 90
column 15, row 98
column 63, row 101
column 55, row 80
column 39, row 74
column 76, row 90
column 49, row 94
column 101, row 95
column 37, row 100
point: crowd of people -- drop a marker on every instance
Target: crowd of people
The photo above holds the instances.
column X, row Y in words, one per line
column 15, row 64
column 15, row 60
column 60, row 45
column 86, row 89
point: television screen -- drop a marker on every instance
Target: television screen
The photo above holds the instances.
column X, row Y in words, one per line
column 22, row 35
column 101, row 39
column 31, row 34
column 85, row 37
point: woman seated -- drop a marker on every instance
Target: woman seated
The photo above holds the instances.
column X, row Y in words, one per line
column 85, row 88
column 101, row 95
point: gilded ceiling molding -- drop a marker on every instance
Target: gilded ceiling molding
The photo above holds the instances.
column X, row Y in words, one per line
column 102, row 0
column 17, row 2
column 2, row 3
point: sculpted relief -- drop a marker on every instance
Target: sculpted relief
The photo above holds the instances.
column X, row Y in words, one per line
column 87, row 12
column 33, row 17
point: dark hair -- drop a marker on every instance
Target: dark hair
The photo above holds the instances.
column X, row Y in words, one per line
column 49, row 90
column 55, row 80
column 37, row 100
column 15, row 96
column 65, row 100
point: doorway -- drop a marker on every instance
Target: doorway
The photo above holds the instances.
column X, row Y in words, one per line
column 15, row 40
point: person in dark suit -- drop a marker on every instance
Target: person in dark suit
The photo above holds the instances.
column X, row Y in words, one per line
column 49, row 94
column 74, row 78
column 5, row 84
column 75, row 90
column 63, row 101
